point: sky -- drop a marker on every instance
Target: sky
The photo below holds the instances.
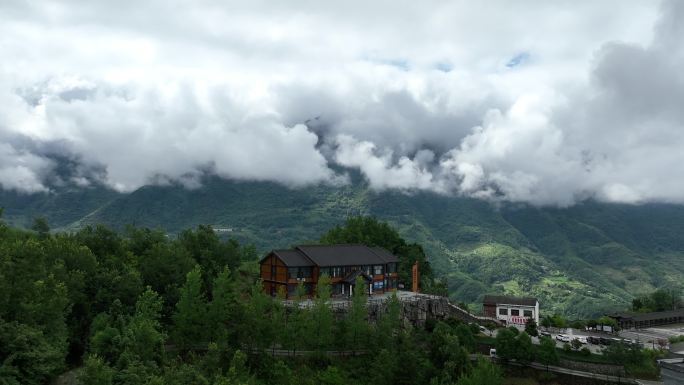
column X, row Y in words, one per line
column 547, row 103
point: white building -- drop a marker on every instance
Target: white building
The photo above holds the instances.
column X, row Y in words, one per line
column 511, row 310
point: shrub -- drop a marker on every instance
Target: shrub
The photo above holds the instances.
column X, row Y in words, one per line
column 585, row 351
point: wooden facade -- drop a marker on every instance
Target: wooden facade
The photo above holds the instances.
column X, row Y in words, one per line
column 286, row 269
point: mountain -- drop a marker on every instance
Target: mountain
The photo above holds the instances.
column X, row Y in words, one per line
column 580, row 261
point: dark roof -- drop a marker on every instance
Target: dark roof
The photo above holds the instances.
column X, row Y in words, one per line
column 385, row 255
column 351, row 277
column 505, row 299
column 293, row 258
column 343, row 255
column 640, row 317
column 334, row 255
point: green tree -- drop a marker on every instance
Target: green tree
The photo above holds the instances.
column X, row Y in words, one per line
column 506, row 343
column 524, row 350
column 465, row 337
column 143, row 338
column 546, row 352
column 226, row 312
column 384, row 368
column 321, row 316
column 40, row 226
column 357, row 326
column 388, row 324
column 531, row 327
column 558, row 321
column 296, row 321
column 190, row 318
column 259, row 330
column 96, row 372
column 484, row 373
column 332, row 376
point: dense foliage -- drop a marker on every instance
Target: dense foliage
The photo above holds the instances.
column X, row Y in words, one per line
column 371, row 232
column 659, row 300
column 139, row 307
column 581, row 261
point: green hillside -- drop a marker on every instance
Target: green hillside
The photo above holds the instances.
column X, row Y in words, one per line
column 580, row 261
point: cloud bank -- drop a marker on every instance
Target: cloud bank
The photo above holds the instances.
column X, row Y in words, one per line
column 520, row 102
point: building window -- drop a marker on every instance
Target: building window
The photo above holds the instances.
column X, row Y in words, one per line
column 528, row 313
column 391, row 267
column 324, row 270
column 335, row 271
column 305, row 272
column 273, row 271
column 291, row 288
column 377, row 269
column 299, row 272
column 292, row 272
column 377, row 285
column 367, row 270
column 503, row 311
column 515, row 312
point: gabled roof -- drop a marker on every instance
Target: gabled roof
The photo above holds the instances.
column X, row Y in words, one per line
column 385, row 255
column 509, row 300
column 640, row 317
column 293, row 258
column 344, row 255
column 335, row 255
column 351, row 277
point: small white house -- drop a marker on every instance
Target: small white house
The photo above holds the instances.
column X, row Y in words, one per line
column 512, row 310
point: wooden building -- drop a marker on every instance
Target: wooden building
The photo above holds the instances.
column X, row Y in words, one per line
column 285, row 269
column 511, row 310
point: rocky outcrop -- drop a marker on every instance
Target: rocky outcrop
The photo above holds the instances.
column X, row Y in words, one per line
column 415, row 309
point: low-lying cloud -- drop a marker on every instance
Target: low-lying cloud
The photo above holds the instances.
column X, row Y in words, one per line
column 522, row 104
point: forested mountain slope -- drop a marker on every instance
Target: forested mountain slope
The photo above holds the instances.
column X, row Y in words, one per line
column 580, row 261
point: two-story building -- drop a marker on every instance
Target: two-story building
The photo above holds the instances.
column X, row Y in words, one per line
column 285, row 269
column 511, row 310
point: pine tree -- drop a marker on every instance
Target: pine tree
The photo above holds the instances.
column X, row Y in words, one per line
column 357, row 326
column 225, row 310
column 258, row 328
column 190, row 318
column 321, row 316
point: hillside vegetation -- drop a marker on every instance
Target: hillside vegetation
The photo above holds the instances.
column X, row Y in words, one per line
column 140, row 308
column 580, row 261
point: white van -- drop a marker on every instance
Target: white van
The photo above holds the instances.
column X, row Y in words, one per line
column 492, row 352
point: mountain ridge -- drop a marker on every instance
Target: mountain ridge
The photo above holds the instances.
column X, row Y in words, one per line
column 580, row 261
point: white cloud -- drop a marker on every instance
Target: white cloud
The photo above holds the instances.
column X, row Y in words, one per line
column 418, row 96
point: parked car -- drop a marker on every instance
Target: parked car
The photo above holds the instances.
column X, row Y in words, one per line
column 604, row 341
column 492, row 352
column 593, row 340
column 563, row 338
column 544, row 334
column 582, row 339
